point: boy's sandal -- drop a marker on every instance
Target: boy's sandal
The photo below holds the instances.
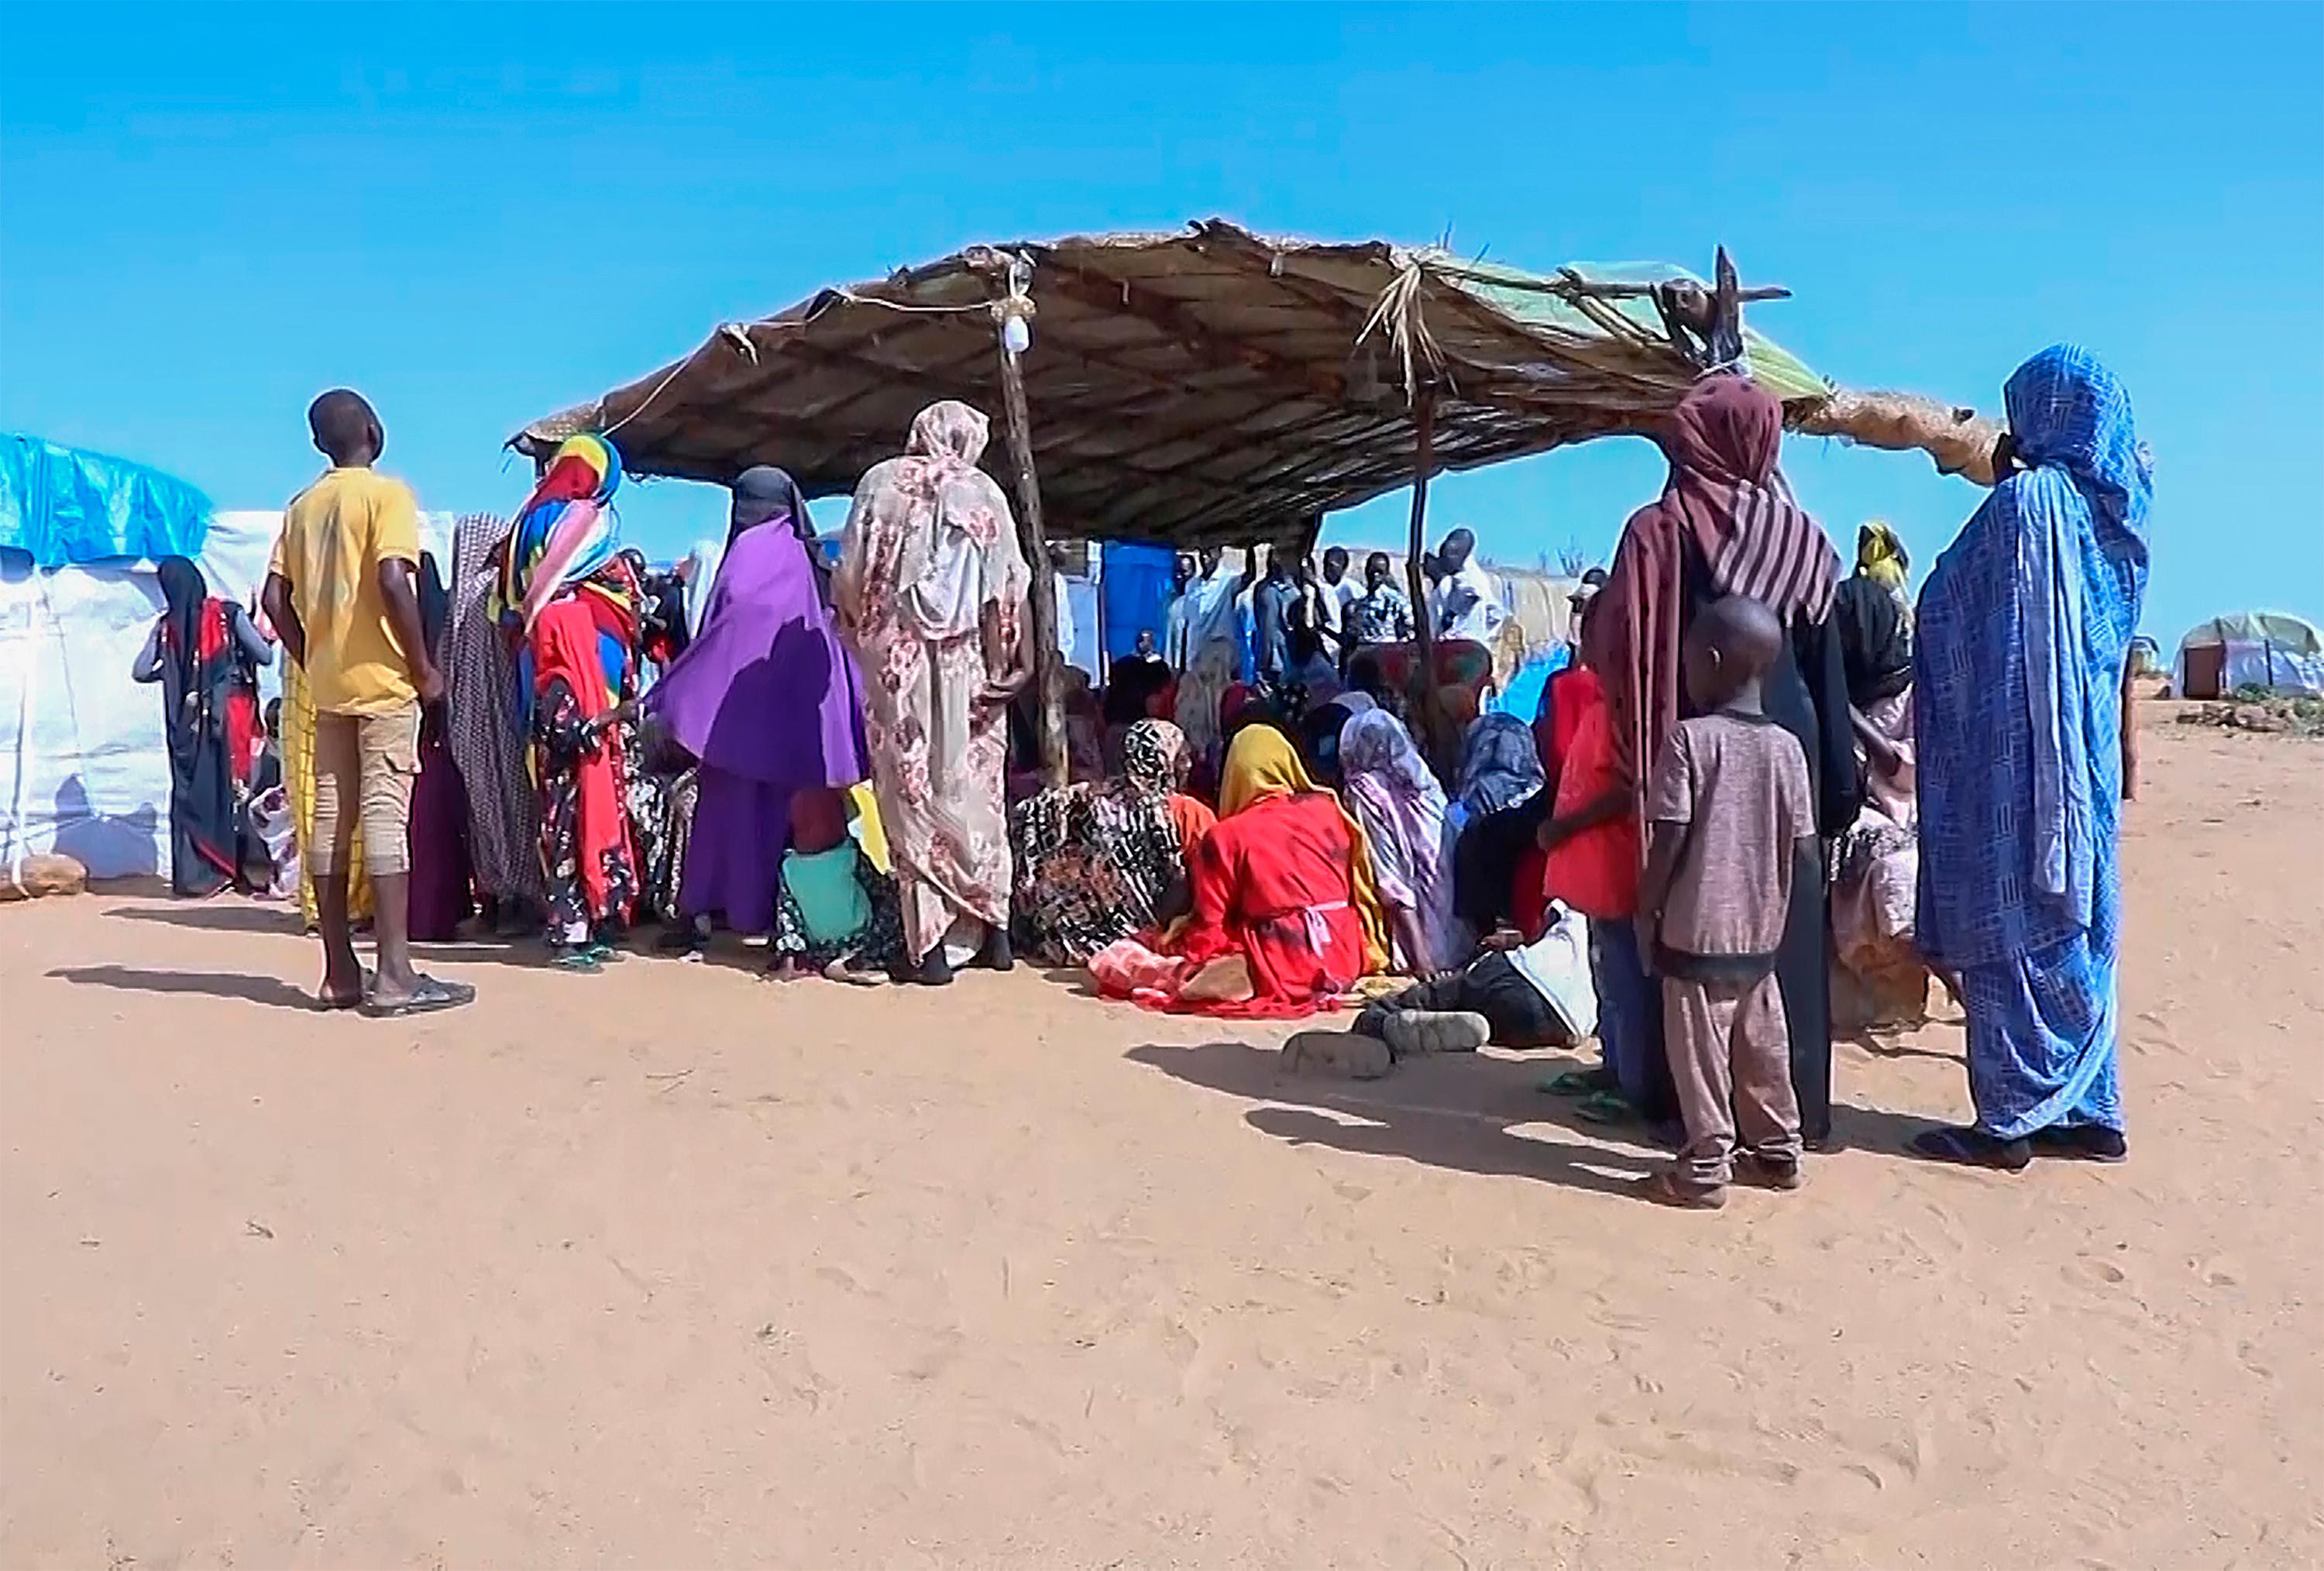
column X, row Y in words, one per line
column 430, row 997
column 581, row 960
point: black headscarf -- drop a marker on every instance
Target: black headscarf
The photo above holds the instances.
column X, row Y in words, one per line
column 1875, row 640
column 435, row 605
column 182, row 594
column 763, row 493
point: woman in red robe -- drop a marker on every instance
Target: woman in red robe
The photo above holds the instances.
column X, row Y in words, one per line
column 1284, row 883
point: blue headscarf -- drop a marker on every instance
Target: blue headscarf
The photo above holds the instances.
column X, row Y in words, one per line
column 1500, row 765
column 2023, row 629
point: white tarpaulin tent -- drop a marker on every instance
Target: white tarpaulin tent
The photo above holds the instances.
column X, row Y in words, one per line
column 83, row 767
column 2254, row 649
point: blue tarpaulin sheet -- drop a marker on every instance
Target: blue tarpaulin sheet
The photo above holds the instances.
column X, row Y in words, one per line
column 62, row 505
column 1138, row 587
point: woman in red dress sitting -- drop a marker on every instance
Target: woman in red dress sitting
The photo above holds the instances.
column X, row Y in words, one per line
column 1283, row 885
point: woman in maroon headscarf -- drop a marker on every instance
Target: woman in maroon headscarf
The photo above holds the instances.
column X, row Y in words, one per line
column 1726, row 523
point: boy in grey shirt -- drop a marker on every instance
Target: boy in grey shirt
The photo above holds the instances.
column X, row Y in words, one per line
column 1729, row 807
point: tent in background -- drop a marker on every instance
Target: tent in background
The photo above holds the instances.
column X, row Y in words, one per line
column 2253, row 649
column 84, row 768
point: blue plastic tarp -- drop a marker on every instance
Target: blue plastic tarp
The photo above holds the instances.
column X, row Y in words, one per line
column 62, row 505
column 1138, row 590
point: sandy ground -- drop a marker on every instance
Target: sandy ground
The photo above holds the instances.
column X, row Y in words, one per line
column 673, row 1267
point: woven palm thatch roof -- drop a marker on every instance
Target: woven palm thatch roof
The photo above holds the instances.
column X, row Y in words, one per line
column 1211, row 386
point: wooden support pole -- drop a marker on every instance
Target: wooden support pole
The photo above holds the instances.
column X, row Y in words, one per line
column 1432, row 707
column 1048, row 660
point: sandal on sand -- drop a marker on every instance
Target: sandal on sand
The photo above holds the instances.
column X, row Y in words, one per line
column 1579, row 1083
column 430, row 997
column 2080, row 1142
column 1665, row 1188
column 1357, row 1057
column 1605, row 1107
column 1973, row 1148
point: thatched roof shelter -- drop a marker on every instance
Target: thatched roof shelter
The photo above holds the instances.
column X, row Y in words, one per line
column 1211, row 386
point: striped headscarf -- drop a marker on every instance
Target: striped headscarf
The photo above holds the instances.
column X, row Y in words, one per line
column 1725, row 500
column 1722, row 445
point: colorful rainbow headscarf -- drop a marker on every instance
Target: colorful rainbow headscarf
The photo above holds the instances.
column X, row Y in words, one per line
column 567, row 530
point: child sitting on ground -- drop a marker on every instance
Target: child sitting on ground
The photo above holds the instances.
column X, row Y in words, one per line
column 1730, row 817
column 838, row 915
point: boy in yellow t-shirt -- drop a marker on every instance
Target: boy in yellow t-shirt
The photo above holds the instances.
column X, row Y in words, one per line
column 341, row 590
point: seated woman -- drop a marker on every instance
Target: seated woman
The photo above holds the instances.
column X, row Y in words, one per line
column 836, row 915
column 1319, row 735
column 1496, row 867
column 1099, row 863
column 1286, row 915
column 1402, row 810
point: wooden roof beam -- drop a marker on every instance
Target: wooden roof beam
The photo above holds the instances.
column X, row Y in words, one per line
column 1221, row 351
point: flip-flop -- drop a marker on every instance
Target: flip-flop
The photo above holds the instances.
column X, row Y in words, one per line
column 1605, row 1107
column 432, row 997
column 580, row 960
column 1579, row 1083
column 601, row 951
column 1973, row 1148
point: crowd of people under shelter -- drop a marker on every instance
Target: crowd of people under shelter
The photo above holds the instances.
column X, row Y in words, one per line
column 1756, row 789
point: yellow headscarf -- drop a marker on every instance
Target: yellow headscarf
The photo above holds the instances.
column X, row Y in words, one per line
column 1262, row 764
column 1880, row 555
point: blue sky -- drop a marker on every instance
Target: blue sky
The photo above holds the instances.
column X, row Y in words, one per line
column 478, row 215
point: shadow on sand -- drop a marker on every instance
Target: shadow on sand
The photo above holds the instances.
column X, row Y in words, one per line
column 271, row 991
column 1462, row 1112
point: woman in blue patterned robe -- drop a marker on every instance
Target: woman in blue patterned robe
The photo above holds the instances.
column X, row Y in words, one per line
column 2023, row 631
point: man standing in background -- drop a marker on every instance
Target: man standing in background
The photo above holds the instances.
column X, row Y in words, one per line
column 1465, row 603
column 1331, row 598
column 1380, row 614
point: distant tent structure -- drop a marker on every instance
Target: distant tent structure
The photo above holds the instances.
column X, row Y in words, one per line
column 1215, row 386
column 2269, row 650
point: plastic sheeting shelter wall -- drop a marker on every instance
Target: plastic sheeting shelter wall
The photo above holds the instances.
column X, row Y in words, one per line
column 83, row 766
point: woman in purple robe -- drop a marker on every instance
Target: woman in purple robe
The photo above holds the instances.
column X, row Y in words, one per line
column 769, row 701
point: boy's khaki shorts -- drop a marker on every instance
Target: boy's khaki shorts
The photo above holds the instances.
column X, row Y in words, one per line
column 365, row 765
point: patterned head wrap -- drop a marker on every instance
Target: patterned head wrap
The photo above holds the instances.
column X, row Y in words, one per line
column 565, row 531
column 1150, row 751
